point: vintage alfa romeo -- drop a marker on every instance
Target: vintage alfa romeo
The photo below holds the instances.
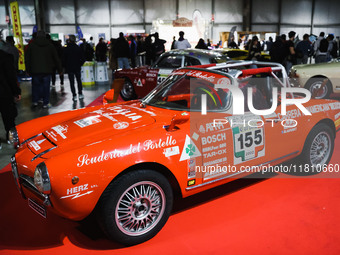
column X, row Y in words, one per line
column 128, row 161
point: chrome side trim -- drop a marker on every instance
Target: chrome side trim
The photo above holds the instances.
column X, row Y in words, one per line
column 29, row 139
column 231, row 175
column 42, row 153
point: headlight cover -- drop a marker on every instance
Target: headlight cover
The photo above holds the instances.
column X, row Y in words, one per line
column 13, row 137
column 42, row 179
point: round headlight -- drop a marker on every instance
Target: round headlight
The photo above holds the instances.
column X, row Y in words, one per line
column 42, row 179
column 13, row 137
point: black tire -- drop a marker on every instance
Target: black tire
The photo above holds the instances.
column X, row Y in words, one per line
column 150, row 209
column 317, row 151
column 315, row 83
column 128, row 91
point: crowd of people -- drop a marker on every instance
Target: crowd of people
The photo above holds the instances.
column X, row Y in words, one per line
column 45, row 57
column 291, row 51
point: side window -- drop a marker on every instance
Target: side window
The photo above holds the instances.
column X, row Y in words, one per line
column 189, row 61
column 172, row 62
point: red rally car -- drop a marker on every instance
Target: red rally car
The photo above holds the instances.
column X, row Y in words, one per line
column 138, row 82
column 127, row 162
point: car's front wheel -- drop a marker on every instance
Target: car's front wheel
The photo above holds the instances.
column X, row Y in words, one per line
column 128, row 91
column 135, row 206
column 315, row 84
column 317, row 151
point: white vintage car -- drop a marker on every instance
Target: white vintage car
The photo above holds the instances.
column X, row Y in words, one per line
column 315, row 76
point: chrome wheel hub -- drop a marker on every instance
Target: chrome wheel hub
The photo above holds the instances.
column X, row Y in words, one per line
column 127, row 89
column 316, row 86
column 140, row 208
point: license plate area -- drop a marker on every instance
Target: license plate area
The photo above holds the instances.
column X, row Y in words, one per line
column 37, row 208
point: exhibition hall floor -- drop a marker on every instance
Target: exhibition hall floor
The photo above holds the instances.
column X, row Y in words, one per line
column 272, row 215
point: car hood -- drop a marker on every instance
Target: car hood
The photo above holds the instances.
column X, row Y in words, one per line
column 92, row 127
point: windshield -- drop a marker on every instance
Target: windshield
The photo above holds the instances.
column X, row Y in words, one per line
column 186, row 90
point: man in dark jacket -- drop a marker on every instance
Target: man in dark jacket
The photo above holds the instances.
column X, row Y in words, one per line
column 73, row 59
column 9, row 91
column 101, row 50
column 122, row 52
column 41, row 58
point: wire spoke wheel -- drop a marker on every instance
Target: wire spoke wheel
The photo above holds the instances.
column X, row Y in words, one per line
column 320, row 149
column 140, row 208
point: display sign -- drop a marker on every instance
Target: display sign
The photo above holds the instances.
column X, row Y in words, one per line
column 17, row 33
column 182, row 22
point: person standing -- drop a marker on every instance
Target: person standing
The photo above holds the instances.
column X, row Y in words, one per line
column 11, row 49
column 112, row 58
column 59, row 48
column 140, row 51
column 201, row 44
column 149, row 53
column 122, row 51
column 254, row 50
column 91, row 43
column 330, row 39
column 303, row 50
column 173, row 43
column 291, row 58
column 101, row 50
column 158, row 46
column 87, row 50
column 182, row 43
column 133, row 51
column 73, row 59
column 9, row 91
column 41, row 59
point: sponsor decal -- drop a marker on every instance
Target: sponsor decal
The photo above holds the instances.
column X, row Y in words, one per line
column 107, row 115
column 87, row 121
column 190, row 150
column 286, row 130
column 201, row 75
column 191, row 168
column 125, row 112
column 79, row 191
column 324, row 107
column 139, row 83
column 61, row 130
column 52, row 135
column 202, row 129
column 85, row 159
column 223, row 81
column 248, row 140
column 151, row 75
column 35, row 145
column 191, row 182
column 195, row 136
column 214, row 138
column 120, row 125
column 337, row 116
column 168, row 152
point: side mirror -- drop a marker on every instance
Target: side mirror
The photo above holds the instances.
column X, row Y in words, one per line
column 108, row 97
column 177, row 120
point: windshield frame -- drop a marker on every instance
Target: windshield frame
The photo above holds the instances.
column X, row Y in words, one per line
column 168, row 82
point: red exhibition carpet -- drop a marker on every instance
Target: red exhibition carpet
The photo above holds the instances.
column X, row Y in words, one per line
column 247, row 216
